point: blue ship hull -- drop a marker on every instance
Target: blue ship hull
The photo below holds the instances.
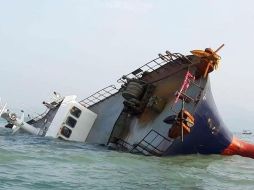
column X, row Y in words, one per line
column 209, row 134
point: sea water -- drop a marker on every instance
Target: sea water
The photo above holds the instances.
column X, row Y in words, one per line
column 30, row 162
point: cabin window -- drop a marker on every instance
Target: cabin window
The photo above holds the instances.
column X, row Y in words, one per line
column 75, row 111
column 66, row 132
column 70, row 121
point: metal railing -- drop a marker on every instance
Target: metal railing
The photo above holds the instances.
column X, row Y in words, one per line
column 174, row 58
column 99, row 96
column 38, row 117
column 151, row 144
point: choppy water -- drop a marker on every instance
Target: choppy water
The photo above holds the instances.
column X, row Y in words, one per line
column 28, row 162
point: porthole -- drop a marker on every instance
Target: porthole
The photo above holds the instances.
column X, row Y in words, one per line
column 75, row 111
column 70, row 121
column 66, row 132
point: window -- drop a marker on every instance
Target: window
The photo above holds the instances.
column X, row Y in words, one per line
column 75, row 111
column 66, row 132
column 70, row 121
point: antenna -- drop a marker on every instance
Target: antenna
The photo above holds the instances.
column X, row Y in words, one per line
column 2, row 109
column 219, row 48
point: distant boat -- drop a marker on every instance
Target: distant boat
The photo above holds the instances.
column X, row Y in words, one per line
column 246, row 132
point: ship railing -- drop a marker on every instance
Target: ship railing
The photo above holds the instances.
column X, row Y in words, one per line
column 38, row 117
column 99, row 96
column 122, row 145
column 152, row 144
column 174, row 58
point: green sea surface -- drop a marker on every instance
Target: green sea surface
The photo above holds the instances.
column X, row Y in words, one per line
column 30, row 162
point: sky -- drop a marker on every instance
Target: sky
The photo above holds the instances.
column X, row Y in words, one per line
column 80, row 46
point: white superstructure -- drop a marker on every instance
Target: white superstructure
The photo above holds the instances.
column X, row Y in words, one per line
column 72, row 121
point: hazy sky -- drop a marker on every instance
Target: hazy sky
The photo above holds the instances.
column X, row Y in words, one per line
column 80, row 46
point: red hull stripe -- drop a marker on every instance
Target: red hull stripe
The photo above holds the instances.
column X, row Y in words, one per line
column 239, row 147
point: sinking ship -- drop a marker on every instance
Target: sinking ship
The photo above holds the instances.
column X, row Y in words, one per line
column 163, row 108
